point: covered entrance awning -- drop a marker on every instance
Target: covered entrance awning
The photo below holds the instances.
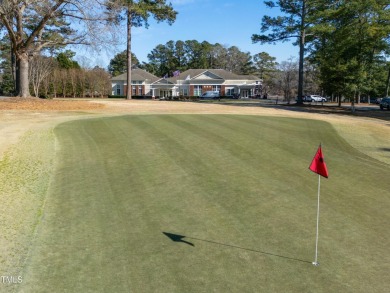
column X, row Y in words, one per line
column 246, row 90
column 163, row 88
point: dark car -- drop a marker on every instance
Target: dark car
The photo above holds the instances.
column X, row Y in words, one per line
column 372, row 100
column 385, row 103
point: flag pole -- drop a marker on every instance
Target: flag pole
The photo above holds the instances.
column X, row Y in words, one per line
column 316, row 263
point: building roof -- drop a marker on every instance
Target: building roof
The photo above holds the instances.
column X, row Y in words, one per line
column 250, row 77
column 222, row 73
column 137, row 74
column 140, row 74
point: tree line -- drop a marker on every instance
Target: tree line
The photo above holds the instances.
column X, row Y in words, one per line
column 183, row 55
column 33, row 27
column 344, row 46
column 49, row 78
column 348, row 41
column 55, row 76
column 163, row 60
column 344, row 50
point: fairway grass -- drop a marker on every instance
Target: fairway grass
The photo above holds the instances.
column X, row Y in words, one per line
column 25, row 172
column 238, row 188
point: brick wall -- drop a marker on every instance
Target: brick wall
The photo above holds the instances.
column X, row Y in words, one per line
column 207, row 88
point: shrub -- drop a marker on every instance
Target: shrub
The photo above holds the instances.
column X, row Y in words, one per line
column 133, row 97
column 116, row 97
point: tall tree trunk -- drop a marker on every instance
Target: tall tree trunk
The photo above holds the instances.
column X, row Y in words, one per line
column 387, row 83
column 353, row 109
column 22, row 64
column 300, row 73
column 15, row 73
column 129, row 87
column 301, row 55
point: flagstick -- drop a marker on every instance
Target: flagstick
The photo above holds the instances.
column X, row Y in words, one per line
column 318, row 221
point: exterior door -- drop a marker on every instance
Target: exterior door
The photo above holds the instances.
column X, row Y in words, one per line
column 165, row 93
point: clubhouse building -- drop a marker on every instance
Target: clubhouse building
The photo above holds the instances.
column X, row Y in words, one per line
column 192, row 82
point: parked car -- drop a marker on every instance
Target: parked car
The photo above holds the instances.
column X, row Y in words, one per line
column 304, row 98
column 210, row 95
column 316, row 98
column 374, row 100
column 385, row 103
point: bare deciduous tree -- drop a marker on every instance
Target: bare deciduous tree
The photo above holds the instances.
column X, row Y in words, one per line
column 73, row 75
column 288, row 78
column 41, row 67
column 36, row 24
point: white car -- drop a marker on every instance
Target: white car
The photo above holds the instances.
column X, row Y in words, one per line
column 210, row 95
column 317, row 98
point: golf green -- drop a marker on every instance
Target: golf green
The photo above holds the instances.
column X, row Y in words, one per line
column 237, row 187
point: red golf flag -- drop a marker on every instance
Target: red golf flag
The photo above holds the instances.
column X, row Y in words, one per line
column 318, row 164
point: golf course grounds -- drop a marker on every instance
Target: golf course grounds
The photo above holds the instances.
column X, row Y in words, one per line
column 165, row 196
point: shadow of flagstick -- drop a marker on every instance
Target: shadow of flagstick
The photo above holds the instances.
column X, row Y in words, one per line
column 179, row 238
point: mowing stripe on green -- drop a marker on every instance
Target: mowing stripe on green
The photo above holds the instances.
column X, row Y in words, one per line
column 239, row 186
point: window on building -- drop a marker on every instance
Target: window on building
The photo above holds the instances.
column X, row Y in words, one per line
column 134, row 90
column 197, row 90
column 140, row 90
column 230, row 92
column 118, row 89
column 216, row 88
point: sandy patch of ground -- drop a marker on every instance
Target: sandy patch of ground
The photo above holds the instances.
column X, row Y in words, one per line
column 20, row 115
column 47, row 105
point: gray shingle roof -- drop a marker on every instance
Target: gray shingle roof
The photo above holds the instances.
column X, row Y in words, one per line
column 224, row 74
column 140, row 74
column 137, row 74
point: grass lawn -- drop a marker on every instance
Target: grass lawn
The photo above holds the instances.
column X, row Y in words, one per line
column 238, row 188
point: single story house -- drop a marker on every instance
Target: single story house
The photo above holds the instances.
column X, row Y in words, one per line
column 192, row 82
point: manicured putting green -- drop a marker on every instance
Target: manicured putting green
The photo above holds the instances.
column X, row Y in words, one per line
column 237, row 187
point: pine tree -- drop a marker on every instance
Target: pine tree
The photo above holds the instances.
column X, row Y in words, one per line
column 294, row 23
column 137, row 14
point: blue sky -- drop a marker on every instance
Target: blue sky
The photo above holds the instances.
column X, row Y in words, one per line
column 228, row 22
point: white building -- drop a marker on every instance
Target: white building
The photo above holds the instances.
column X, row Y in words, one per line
column 192, row 82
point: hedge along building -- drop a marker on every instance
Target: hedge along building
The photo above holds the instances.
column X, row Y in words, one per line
column 192, row 82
